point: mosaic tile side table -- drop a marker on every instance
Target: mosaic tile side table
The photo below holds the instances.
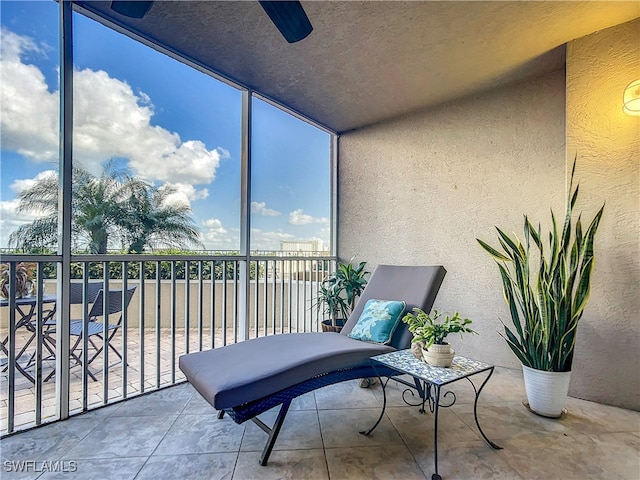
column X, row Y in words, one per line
column 428, row 382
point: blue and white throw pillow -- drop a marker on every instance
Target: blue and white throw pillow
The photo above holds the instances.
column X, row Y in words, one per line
column 378, row 321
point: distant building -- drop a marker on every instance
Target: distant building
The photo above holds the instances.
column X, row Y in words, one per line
column 301, row 269
column 316, row 246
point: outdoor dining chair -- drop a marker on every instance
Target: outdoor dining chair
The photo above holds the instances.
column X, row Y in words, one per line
column 98, row 324
column 76, row 297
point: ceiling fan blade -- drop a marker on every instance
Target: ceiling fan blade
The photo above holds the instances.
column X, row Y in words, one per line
column 132, row 8
column 288, row 17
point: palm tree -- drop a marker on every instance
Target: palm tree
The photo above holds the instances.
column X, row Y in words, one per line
column 153, row 221
column 103, row 210
column 98, row 204
column 95, row 205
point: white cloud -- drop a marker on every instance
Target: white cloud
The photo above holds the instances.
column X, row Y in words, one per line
column 110, row 121
column 29, row 112
column 20, row 184
column 10, row 220
column 185, row 193
column 268, row 240
column 298, row 217
column 324, row 233
column 260, row 208
column 216, row 237
column 224, row 153
column 214, row 224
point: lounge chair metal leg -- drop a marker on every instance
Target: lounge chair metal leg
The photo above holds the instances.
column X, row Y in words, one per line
column 273, row 431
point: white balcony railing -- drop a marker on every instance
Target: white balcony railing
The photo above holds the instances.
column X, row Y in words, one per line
column 222, row 300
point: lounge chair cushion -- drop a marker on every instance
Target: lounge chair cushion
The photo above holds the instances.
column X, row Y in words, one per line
column 378, row 321
column 253, row 369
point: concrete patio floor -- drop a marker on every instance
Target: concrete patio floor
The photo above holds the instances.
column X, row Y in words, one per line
column 174, row 434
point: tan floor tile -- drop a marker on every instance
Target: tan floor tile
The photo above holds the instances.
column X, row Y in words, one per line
column 618, row 453
column 212, row 466
column 505, row 422
column 562, row 456
column 417, row 429
column 467, row 461
column 341, row 428
column 301, row 430
column 373, row 463
column 346, row 395
column 97, row 469
column 590, row 418
column 283, row 465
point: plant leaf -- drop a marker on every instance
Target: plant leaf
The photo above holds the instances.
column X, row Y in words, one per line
column 493, row 252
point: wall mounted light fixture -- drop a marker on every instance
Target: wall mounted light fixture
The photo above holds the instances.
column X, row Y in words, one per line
column 631, row 99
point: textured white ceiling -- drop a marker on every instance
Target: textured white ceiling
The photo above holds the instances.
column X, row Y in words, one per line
column 370, row 61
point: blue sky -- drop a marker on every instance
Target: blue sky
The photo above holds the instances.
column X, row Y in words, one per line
column 168, row 122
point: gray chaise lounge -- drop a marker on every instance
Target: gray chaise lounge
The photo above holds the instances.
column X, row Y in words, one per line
column 250, row 377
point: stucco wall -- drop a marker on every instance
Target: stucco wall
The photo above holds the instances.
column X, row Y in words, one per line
column 421, row 189
column 607, row 141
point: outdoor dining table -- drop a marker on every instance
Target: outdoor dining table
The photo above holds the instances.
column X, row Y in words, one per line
column 25, row 309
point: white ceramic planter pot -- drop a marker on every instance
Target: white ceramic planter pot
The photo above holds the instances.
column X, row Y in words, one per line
column 546, row 391
column 439, row 355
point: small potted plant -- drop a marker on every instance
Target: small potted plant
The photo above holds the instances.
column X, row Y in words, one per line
column 429, row 335
column 25, row 273
column 338, row 293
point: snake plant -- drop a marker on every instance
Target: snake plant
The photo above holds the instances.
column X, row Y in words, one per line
column 546, row 287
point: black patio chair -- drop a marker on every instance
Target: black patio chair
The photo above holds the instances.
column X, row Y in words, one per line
column 76, row 297
column 96, row 326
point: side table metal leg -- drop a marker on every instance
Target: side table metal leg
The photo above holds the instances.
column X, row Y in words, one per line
column 436, row 476
column 475, row 411
column 426, row 395
column 384, row 406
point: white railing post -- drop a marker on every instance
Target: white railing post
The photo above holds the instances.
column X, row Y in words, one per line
column 64, row 209
column 244, row 313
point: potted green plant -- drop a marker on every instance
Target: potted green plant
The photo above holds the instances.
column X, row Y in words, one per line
column 546, row 289
column 24, row 276
column 338, row 293
column 429, row 335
